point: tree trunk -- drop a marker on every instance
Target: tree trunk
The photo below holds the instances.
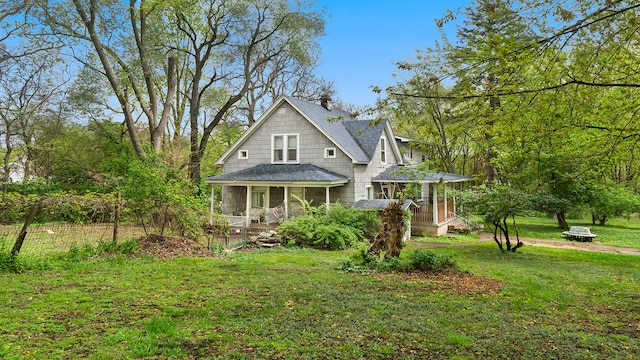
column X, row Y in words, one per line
column 23, row 233
column 562, row 222
column 391, row 232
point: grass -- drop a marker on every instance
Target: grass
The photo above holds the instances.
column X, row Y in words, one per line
column 617, row 231
column 294, row 304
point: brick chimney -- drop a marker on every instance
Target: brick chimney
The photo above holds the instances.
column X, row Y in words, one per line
column 325, row 101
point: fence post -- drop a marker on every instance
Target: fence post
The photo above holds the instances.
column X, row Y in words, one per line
column 116, row 219
column 23, row 233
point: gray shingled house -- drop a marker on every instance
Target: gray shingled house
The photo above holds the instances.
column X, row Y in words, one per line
column 302, row 150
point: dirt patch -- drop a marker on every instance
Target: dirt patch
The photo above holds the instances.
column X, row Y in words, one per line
column 165, row 247
column 452, row 281
column 566, row 244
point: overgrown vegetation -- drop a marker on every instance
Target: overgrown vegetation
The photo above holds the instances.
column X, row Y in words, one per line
column 22, row 263
column 418, row 260
column 339, row 229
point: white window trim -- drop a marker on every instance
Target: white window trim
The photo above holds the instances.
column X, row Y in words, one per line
column 285, row 153
column 243, row 154
column 326, row 153
column 383, row 149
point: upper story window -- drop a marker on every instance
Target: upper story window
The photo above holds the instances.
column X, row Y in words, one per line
column 383, row 150
column 329, row 153
column 285, row 148
column 243, row 154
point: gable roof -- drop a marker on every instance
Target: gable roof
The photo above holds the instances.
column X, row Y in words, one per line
column 285, row 173
column 356, row 138
column 401, row 174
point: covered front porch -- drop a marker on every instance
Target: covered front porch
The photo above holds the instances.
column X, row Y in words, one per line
column 436, row 208
column 270, row 194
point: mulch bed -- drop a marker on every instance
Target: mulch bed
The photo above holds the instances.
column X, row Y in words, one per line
column 452, row 281
column 165, row 247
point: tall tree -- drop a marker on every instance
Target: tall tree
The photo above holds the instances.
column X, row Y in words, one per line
column 231, row 46
column 118, row 35
column 31, row 95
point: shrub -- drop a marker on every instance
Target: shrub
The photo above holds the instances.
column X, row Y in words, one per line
column 429, row 261
column 340, row 229
column 299, row 229
column 365, row 222
column 334, row 236
column 9, row 263
column 110, row 247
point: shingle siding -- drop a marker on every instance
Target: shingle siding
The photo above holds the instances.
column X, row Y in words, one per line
column 311, row 141
column 286, row 119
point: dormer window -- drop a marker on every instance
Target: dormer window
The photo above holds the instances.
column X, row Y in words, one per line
column 284, row 148
column 383, row 150
column 329, row 153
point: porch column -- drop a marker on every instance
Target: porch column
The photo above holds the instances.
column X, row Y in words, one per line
column 212, row 208
column 267, row 200
column 248, row 206
column 435, row 203
column 444, row 194
column 425, row 192
column 326, row 200
column 286, row 202
column 455, row 211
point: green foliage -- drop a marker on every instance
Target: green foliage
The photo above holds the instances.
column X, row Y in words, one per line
column 428, row 261
column 334, row 236
column 419, row 260
column 365, row 222
column 110, row 247
column 609, row 201
column 498, row 204
column 341, row 228
column 299, row 229
column 10, row 264
column 77, row 254
column 158, row 196
column 61, row 206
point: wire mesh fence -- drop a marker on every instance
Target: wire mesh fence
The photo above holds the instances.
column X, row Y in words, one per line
column 45, row 239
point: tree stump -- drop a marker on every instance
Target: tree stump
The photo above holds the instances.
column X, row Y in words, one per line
column 391, row 232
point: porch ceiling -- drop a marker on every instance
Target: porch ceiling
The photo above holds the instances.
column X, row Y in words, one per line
column 274, row 174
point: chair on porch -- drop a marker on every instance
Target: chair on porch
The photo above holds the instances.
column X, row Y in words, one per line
column 256, row 215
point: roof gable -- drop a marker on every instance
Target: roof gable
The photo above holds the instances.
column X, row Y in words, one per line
column 356, row 138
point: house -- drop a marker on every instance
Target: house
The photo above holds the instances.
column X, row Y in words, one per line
column 302, row 150
column 412, row 154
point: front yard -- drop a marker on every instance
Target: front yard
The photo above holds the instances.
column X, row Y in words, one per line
column 294, row 304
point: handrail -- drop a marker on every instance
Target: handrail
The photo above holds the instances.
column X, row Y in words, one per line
column 474, row 223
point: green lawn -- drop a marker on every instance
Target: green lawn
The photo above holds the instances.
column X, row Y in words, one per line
column 617, row 231
column 294, row 304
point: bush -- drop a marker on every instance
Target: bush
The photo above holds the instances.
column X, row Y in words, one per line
column 299, row 229
column 334, row 237
column 9, row 263
column 340, row 229
column 365, row 221
column 420, row 260
column 110, row 247
column 429, row 261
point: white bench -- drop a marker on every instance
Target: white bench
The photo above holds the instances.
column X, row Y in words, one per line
column 579, row 233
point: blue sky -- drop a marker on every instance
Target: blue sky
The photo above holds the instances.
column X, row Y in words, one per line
column 364, row 39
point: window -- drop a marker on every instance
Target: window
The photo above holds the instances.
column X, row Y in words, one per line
column 330, row 153
column 285, row 148
column 383, row 150
column 258, row 195
column 243, row 154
